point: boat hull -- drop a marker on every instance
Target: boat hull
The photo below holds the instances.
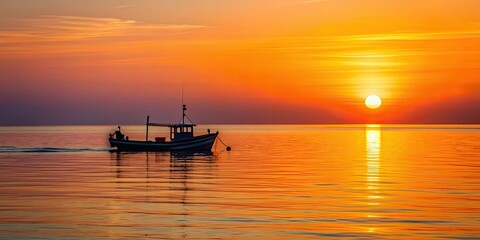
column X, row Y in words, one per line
column 198, row 143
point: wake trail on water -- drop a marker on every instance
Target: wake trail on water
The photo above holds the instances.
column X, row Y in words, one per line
column 13, row 149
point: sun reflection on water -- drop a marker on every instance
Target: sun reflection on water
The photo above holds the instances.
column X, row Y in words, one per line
column 373, row 144
column 372, row 157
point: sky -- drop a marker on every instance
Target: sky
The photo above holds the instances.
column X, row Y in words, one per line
column 249, row 61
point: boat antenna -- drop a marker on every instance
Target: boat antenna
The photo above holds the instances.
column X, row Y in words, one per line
column 183, row 116
column 183, row 109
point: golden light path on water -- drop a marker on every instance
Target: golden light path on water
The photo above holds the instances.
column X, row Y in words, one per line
column 372, row 158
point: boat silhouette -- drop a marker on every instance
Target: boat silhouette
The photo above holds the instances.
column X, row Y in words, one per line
column 181, row 138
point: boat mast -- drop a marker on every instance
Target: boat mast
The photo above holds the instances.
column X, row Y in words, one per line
column 148, row 123
column 183, row 116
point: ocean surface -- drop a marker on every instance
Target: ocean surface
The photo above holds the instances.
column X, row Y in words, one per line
column 279, row 181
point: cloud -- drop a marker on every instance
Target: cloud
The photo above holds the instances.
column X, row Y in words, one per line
column 309, row 1
column 123, row 6
column 308, row 45
column 415, row 36
column 53, row 28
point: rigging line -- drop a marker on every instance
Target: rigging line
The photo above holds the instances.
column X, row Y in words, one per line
column 189, row 119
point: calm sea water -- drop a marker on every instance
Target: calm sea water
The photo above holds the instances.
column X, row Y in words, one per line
column 292, row 181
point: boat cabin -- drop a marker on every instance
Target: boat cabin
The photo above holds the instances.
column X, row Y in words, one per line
column 181, row 131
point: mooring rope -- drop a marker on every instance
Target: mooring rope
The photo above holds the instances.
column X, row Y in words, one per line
column 228, row 147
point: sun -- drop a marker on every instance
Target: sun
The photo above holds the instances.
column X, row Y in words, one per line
column 373, row 102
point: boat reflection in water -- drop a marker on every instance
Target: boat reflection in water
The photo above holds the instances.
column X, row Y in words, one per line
column 177, row 158
column 189, row 155
column 173, row 188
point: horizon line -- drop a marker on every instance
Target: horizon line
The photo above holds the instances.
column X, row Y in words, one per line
column 205, row 124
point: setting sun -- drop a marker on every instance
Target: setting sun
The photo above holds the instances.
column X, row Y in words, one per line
column 373, row 102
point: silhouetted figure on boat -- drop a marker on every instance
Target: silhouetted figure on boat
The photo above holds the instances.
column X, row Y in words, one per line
column 118, row 134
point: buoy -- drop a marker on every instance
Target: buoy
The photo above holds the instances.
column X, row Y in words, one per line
column 229, row 148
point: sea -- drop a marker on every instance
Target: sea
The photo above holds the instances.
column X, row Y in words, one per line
column 277, row 182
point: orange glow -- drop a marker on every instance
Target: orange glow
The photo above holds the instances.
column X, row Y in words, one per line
column 422, row 58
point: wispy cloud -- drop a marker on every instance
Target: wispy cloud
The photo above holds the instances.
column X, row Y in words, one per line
column 409, row 36
column 72, row 28
column 123, row 7
column 308, row 1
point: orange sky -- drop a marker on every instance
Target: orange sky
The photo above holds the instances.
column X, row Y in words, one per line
column 251, row 61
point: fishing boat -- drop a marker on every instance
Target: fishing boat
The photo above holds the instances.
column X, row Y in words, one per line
column 181, row 138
